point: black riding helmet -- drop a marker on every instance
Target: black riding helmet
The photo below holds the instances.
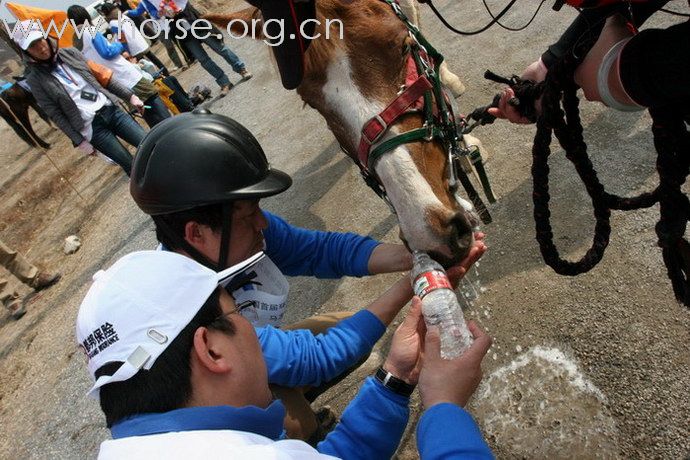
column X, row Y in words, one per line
column 198, row 159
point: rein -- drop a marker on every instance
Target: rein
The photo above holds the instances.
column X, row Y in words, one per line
column 560, row 117
column 422, row 93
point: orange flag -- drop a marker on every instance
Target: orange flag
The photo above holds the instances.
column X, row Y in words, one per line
column 54, row 22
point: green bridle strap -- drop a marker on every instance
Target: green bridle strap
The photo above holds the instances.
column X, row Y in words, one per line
column 415, row 135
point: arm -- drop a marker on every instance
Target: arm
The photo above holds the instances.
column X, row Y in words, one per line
column 120, row 90
column 447, row 431
column 389, row 258
column 371, row 426
column 53, row 109
column 580, row 36
column 298, row 358
column 301, row 252
column 105, row 49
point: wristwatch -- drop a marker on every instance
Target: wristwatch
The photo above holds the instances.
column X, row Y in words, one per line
column 393, row 383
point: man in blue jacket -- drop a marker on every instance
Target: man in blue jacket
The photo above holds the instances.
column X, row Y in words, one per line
column 179, row 373
column 200, row 176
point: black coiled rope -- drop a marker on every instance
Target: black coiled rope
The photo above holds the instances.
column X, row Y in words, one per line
column 560, row 117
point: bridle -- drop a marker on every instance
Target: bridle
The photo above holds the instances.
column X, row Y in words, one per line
column 422, row 93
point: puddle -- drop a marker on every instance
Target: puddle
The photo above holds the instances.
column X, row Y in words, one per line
column 541, row 405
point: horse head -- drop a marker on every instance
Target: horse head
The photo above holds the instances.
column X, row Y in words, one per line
column 353, row 70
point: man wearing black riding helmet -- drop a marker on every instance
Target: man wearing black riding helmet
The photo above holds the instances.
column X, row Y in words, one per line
column 201, row 176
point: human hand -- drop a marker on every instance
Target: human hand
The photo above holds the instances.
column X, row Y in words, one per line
column 403, row 359
column 137, row 103
column 457, row 272
column 507, row 111
column 535, row 72
column 453, row 380
column 86, row 148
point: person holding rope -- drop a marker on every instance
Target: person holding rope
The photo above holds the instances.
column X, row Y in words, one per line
column 625, row 69
column 603, row 53
column 66, row 87
column 200, row 176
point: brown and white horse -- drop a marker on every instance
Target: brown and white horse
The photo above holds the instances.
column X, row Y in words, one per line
column 351, row 80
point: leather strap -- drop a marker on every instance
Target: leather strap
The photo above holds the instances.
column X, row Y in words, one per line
column 377, row 126
column 393, row 383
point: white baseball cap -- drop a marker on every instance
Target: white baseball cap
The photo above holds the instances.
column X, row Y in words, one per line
column 137, row 307
column 27, row 32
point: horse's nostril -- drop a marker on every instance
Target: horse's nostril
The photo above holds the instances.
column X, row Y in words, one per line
column 461, row 224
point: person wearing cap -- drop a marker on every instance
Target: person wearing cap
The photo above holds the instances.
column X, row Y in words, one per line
column 97, row 48
column 179, row 372
column 64, row 85
column 200, row 176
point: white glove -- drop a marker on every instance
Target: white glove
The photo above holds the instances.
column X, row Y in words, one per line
column 136, row 103
column 86, row 148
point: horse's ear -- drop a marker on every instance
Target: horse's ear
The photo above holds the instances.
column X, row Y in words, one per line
column 243, row 23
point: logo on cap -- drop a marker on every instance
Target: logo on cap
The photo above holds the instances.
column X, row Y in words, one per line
column 100, row 339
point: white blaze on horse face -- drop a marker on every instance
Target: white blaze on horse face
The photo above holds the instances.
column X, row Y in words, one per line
column 408, row 191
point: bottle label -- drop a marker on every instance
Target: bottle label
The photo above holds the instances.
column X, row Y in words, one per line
column 430, row 281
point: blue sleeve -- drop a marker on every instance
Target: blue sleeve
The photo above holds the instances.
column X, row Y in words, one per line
column 301, row 252
column 299, row 358
column 105, row 49
column 115, row 31
column 371, row 426
column 447, row 431
column 138, row 11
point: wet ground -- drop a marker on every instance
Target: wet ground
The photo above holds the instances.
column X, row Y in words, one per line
column 592, row 366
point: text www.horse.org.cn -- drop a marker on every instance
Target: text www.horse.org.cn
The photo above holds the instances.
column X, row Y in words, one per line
column 272, row 31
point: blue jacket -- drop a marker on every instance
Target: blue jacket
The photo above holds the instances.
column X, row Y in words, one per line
column 105, row 49
column 302, row 252
column 298, row 358
column 370, row 428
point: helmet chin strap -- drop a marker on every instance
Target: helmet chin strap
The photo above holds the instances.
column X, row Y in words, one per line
column 181, row 243
column 226, row 214
column 194, row 253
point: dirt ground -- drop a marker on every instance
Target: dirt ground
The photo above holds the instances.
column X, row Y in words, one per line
column 595, row 366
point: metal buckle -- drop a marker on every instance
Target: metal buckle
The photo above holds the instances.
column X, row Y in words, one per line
column 452, row 171
column 429, row 132
column 379, row 135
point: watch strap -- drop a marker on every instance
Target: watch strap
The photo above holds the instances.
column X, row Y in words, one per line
column 393, row 383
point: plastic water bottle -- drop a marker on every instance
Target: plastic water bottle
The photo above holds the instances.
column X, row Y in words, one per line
column 440, row 305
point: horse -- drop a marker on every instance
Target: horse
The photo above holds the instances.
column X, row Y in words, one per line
column 350, row 81
column 14, row 108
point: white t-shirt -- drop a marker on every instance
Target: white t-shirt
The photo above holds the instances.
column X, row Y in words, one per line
column 123, row 71
column 136, row 42
column 74, row 85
